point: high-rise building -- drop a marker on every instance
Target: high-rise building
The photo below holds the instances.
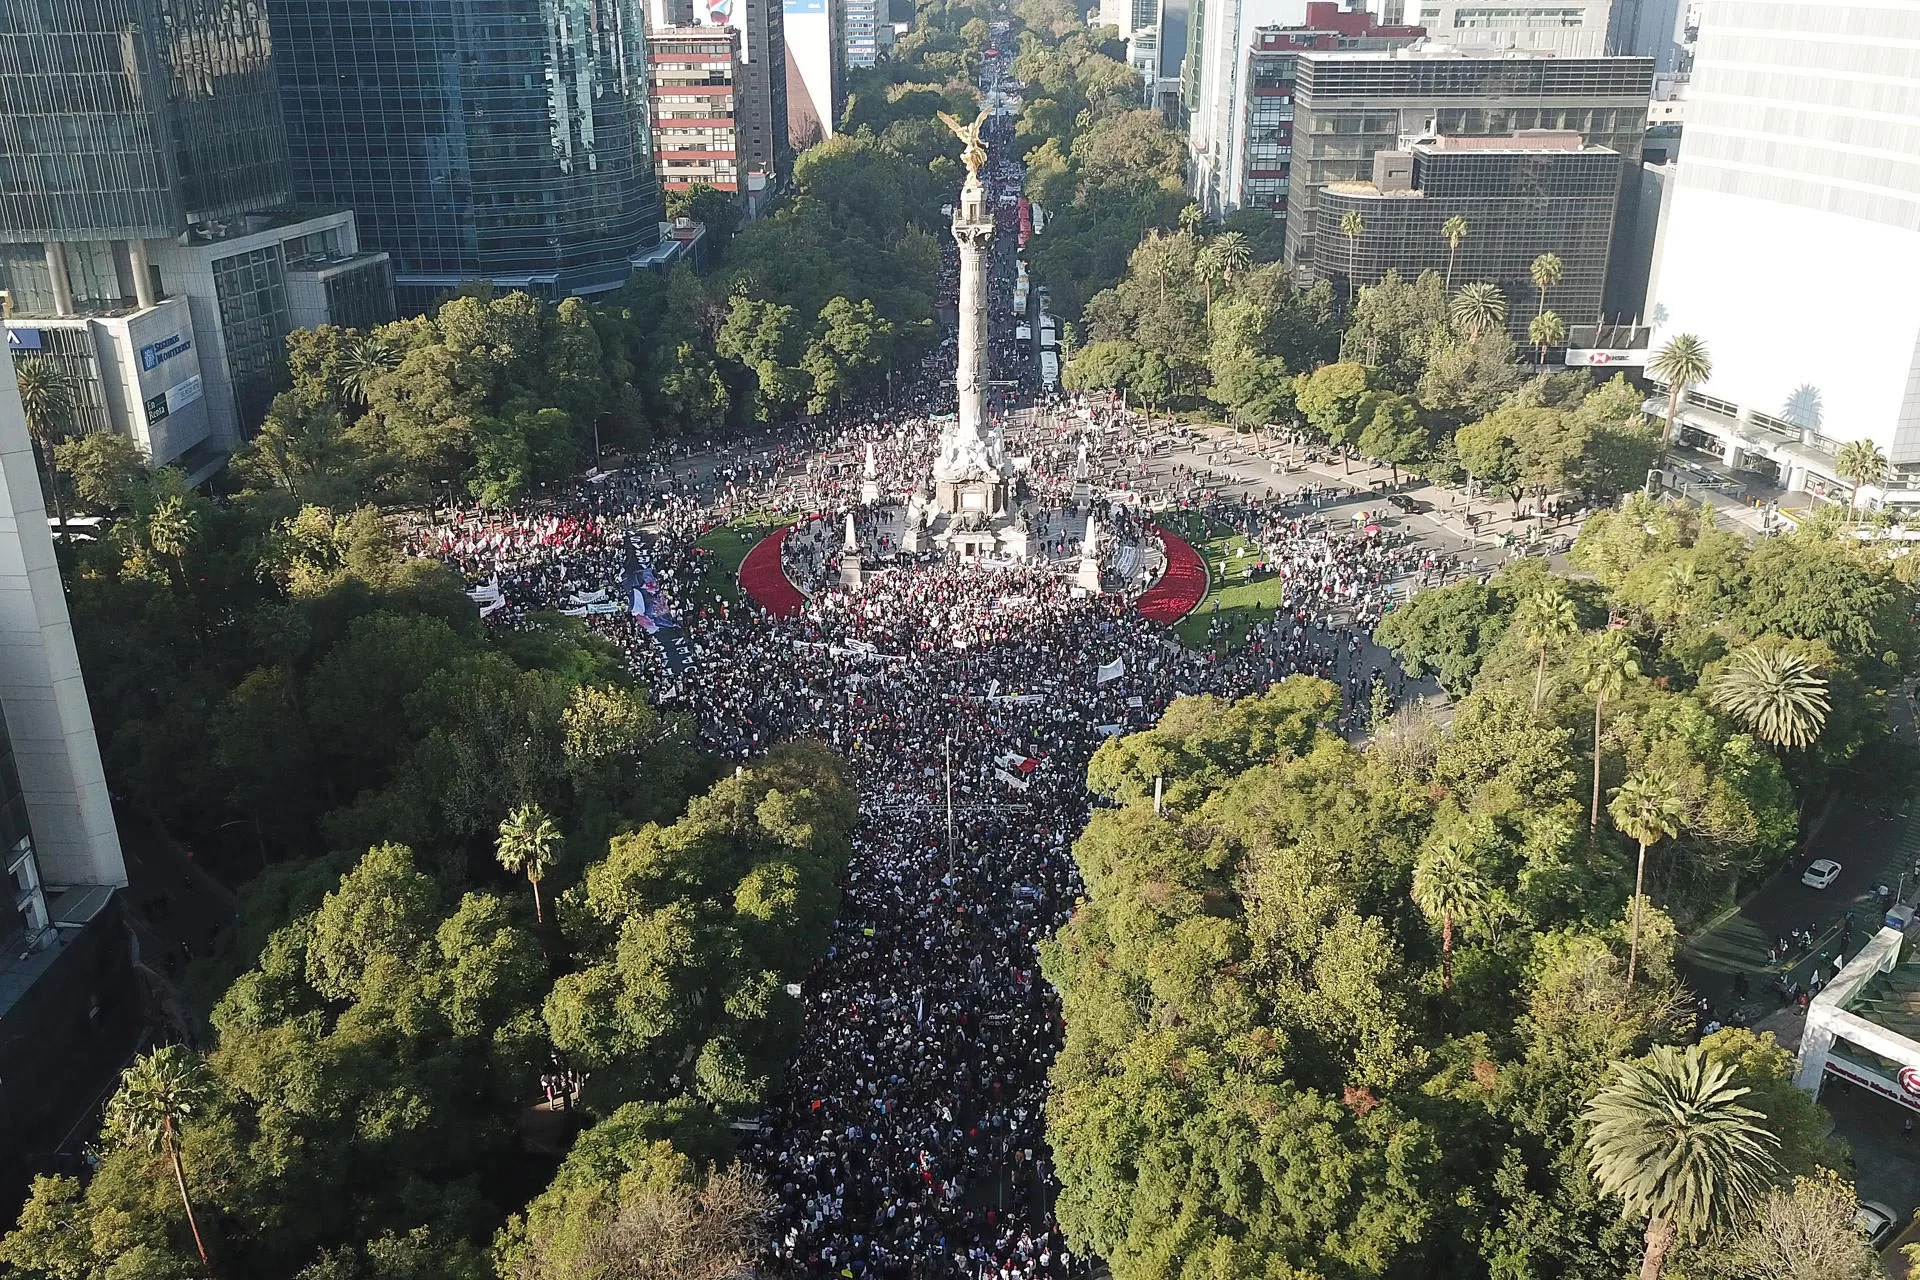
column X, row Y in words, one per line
column 696, row 83
column 816, row 69
column 507, row 142
column 1521, row 195
column 1248, row 165
column 1170, row 41
column 141, row 144
column 868, row 31
column 764, row 154
column 1803, row 147
column 1564, row 28
column 1348, row 107
column 1128, row 16
column 66, row 994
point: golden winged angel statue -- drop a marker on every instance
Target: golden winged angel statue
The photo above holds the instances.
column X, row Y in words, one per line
column 972, row 153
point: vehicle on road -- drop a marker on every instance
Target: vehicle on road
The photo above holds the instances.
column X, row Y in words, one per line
column 1407, row 502
column 1822, row 873
column 1876, row 1222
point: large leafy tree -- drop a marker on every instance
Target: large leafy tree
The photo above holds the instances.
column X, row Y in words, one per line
column 1670, row 1139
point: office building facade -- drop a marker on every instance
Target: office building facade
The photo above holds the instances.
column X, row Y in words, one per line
column 1563, row 28
column 508, row 144
column 1127, row 16
column 1250, row 166
column 1348, row 107
column 816, row 34
column 143, row 140
column 696, row 83
column 1522, row 196
column 1802, row 137
column 66, row 997
column 869, row 31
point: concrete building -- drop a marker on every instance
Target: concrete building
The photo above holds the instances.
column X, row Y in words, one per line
column 66, row 996
column 1127, row 16
column 816, row 32
column 143, row 229
column 1250, row 166
column 1563, row 28
column 1803, row 140
column 1348, row 107
column 506, row 142
column 696, row 84
column 1864, row 1026
column 1522, row 195
column 869, row 31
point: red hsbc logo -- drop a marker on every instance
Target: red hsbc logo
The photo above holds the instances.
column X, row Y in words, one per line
column 1910, row 1080
column 1601, row 357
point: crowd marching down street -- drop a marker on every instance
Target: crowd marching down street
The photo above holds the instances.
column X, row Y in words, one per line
column 908, row 1140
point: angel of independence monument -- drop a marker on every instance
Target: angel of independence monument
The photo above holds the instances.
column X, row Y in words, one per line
column 972, row 475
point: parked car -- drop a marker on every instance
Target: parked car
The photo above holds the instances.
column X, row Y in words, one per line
column 1876, row 1222
column 1822, row 873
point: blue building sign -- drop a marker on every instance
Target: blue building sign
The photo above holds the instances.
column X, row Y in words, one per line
column 155, row 354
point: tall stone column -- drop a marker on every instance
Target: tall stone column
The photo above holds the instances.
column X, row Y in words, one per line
column 973, row 230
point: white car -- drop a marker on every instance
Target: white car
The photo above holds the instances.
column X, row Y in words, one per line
column 1875, row 1221
column 1822, row 873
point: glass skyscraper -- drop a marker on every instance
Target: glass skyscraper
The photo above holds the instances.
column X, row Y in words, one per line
column 504, row 140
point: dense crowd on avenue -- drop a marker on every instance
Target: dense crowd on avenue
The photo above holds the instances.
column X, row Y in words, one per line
column 967, row 699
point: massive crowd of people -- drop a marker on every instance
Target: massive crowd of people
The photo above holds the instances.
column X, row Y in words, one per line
column 908, row 1140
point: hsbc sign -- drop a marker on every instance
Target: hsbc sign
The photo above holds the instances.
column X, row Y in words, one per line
column 1624, row 356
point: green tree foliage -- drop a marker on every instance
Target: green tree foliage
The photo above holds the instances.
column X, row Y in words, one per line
column 688, row 934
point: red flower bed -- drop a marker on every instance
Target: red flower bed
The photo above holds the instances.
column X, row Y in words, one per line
column 1181, row 588
column 765, row 582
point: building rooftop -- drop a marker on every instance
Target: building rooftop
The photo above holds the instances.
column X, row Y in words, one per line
column 1520, row 140
column 1428, row 49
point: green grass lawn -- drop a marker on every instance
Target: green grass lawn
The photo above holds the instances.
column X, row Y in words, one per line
column 1242, row 604
column 730, row 544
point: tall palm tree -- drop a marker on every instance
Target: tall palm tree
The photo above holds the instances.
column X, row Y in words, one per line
column 1864, row 464
column 1207, row 264
column 1236, row 253
column 157, row 1094
column 1681, row 363
column 1546, row 621
column 46, row 395
column 1547, row 269
column 1645, row 809
column 1478, row 307
column 364, row 360
column 1778, row 694
column 1352, row 226
column 171, row 529
column 529, row 844
column 1669, row 1137
column 1449, row 890
column 1453, row 231
column 1546, row 330
column 1603, row 668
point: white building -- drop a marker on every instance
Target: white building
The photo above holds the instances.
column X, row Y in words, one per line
column 1565, row 28
column 1128, row 16
column 1861, row 1027
column 1792, row 244
column 1217, row 110
column 816, row 69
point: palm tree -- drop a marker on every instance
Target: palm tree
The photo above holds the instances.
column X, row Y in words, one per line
column 1681, row 363
column 1236, row 253
column 1448, row 888
column 1603, row 668
column 1352, row 226
column 1778, row 694
column 529, row 843
column 1546, row 621
column 1478, row 307
column 364, row 360
column 1207, row 264
column 1546, row 330
column 171, row 529
column 1546, row 272
column 1646, row 809
column 46, row 396
column 1670, row 1139
column 1453, row 231
column 157, row 1094
column 1864, row 464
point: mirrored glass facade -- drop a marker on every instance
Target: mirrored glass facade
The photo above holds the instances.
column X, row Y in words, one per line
column 127, row 119
column 486, row 139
